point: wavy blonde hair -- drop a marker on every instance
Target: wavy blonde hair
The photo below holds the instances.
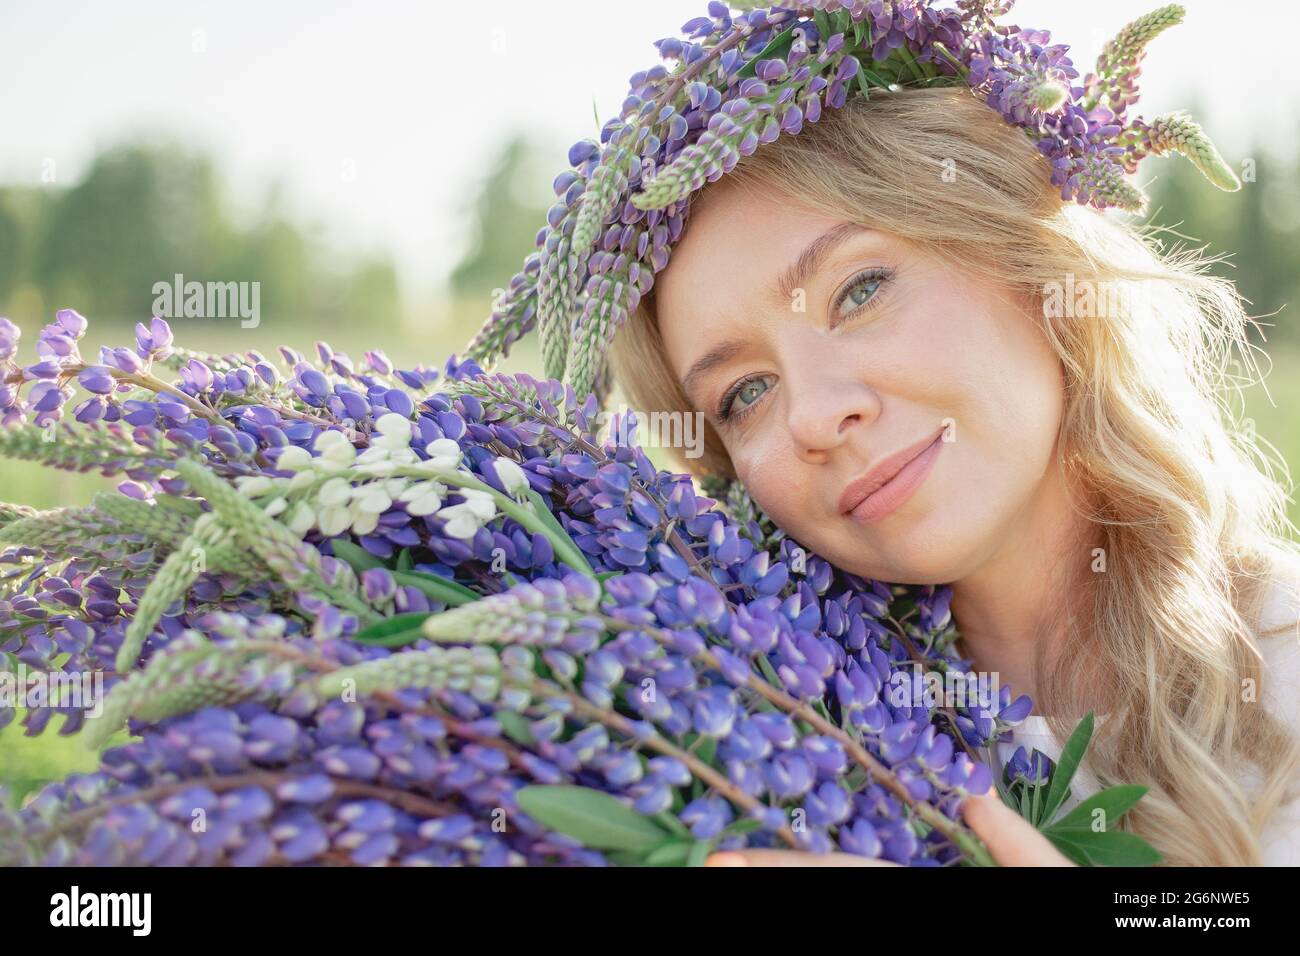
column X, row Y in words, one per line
column 1189, row 510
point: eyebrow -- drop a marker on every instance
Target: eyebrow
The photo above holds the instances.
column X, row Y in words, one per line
column 791, row 279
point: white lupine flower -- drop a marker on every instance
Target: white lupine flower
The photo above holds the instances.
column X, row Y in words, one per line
column 424, row 504
column 464, row 519
column 303, row 480
column 422, row 497
column 461, row 522
column 338, row 458
column 391, row 423
column 420, row 488
column 275, row 506
column 378, row 468
column 293, row 458
column 254, row 486
column 333, row 520
column 372, row 498
column 363, row 522
column 394, row 431
column 329, row 439
column 336, row 452
column 480, row 503
column 395, row 486
column 377, row 460
column 300, row 518
column 334, row 493
column 511, row 476
column 443, row 453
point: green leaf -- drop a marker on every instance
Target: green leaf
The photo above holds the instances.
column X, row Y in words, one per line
column 1107, row 848
column 404, row 560
column 1114, row 802
column 841, row 21
column 547, row 517
column 1072, row 853
column 700, row 851
column 1071, row 755
column 823, row 22
column 863, row 85
column 862, row 33
column 670, row 822
column 604, row 576
column 672, row 853
column 516, row 727
column 625, row 858
column 357, row 557
column 741, row 827
column 440, row 589
column 1007, row 794
column 874, row 78
column 592, row 817
column 779, row 46
column 394, row 631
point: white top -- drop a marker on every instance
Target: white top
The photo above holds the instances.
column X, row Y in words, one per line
column 1280, row 838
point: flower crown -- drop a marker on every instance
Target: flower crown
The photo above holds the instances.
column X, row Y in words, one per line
column 740, row 80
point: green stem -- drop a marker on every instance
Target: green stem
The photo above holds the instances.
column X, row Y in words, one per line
column 966, row 841
column 904, row 54
column 657, row 742
column 962, row 70
column 565, row 549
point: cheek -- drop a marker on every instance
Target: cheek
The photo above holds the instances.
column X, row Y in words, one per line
column 1008, row 419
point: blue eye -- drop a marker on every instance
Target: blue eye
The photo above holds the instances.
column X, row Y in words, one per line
column 861, row 291
column 859, row 294
column 742, row 388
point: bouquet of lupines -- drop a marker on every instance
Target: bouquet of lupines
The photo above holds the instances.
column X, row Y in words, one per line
column 360, row 615
column 746, row 74
column 363, row 615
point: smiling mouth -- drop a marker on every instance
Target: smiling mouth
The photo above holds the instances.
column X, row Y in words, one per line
column 890, row 484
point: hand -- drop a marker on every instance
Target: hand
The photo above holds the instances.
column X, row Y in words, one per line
column 1009, row 837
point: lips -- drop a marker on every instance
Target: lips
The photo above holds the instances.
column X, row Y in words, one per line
column 881, row 473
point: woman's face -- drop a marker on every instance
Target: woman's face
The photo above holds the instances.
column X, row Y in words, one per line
column 875, row 352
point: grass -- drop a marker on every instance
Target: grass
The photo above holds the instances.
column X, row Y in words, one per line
column 28, row 763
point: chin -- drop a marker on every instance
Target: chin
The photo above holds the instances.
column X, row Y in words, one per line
column 913, row 546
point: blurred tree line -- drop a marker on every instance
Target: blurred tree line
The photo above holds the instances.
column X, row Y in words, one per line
column 141, row 214
column 1256, row 228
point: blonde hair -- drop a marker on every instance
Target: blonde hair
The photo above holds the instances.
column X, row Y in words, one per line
column 1187, row 508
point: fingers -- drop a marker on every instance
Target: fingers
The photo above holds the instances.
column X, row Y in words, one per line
column 1010, row 838
column 789, row 858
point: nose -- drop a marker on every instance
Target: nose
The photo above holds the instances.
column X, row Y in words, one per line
column 825, row 406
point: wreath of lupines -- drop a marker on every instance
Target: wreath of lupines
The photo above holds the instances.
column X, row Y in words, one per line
column 738, row 80
column 360, row 615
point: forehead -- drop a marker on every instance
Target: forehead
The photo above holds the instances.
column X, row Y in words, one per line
column 733, row 226
column 735, row 244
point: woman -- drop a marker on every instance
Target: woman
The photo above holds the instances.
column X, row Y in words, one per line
column 899, row 295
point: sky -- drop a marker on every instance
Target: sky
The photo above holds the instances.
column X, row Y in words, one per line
column 379, row 117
